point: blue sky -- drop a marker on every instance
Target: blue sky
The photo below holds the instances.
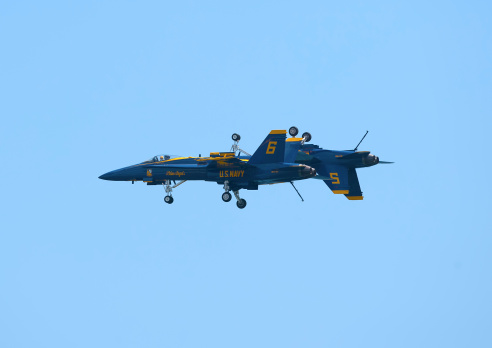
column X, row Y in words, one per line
column 90, row 87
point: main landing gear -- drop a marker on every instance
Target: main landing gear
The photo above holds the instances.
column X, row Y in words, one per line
column 241, row 203
column 226, row 196
column 306, row 137
column 169, row 190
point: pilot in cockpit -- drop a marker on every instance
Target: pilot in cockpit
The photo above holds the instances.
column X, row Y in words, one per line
column 159, row 158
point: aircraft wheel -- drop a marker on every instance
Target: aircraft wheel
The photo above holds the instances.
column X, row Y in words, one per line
column 226, row 197
column 241, row 203
column 307, row 136
column 236, row 137
column 168, row 199
column 293, row 131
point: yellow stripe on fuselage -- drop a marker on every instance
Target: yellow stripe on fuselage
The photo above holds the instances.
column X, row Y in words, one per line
column 278, row 132
column 294, row 139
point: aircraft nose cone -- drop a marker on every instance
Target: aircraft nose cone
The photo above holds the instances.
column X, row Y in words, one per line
column 123, row 174
column 106, row 176
column 112, row 175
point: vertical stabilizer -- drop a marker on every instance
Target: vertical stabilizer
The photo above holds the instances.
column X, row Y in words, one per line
column 292, row 147
column 271, row 150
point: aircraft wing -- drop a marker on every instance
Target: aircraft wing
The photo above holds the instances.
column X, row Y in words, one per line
column 341, row 180
column 354, row 187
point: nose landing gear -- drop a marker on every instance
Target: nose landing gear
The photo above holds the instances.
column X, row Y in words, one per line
column 169, row 196
column 169, row 189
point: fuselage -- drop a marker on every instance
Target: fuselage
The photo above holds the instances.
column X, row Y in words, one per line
column 217, row 169
column 313, row 154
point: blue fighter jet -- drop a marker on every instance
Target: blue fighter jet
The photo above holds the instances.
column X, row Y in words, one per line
column 266, row 166
column 336, row 168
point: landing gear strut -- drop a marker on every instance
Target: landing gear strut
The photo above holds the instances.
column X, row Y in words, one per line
column 169, row 195
column 235, row 147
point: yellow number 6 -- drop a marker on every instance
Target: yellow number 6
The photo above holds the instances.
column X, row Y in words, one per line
column 271, row 147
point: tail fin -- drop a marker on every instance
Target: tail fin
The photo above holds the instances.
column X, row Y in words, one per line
column 292, row 147
column 271, row 150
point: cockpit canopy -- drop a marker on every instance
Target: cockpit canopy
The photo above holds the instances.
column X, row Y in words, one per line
column 159, row 158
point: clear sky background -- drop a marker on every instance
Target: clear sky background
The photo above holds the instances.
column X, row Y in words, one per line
column 92, row 86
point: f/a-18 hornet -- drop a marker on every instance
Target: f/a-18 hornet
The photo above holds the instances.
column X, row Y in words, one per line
column 335, row 167
column 266, row 166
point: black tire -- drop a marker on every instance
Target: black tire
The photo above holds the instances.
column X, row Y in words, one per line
column 307, row 136
column 293, row 131
column 226, row 197
column 236, row 137
column 241, row 204
column 168, row 199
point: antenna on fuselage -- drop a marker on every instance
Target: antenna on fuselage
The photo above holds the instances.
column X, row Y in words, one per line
column 296, row 190
column 360, row 141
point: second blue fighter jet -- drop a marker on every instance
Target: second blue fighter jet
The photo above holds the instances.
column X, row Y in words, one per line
column 335, row 167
